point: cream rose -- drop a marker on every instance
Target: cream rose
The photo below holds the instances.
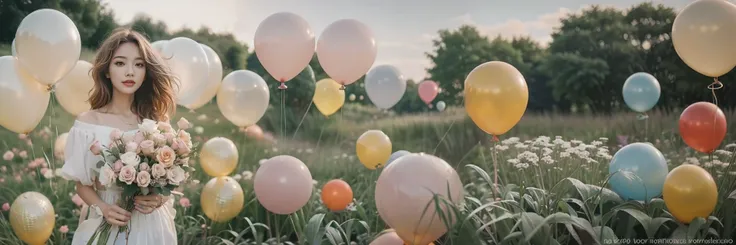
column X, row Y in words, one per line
column 107, row 176
column 159, row 139
column 128, row 138
column 116, row 134
column 158, row 171
column 127, row 174
column 182, row 148
column 148, row 126
column 183, row 124
column 95, row 148
column 139, row 137
column 143, row 179
column 132, row 147
column 130, row 159
column 165, row 127
column 166, row 156
column 144, row 167
column 117, row 166
column 175, row 175
column 148, row 147
column 186, row 137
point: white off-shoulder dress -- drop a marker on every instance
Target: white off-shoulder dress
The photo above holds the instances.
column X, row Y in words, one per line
column 156, row 228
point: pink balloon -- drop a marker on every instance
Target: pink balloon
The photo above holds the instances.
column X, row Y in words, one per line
column 428, row 91
column 346, row 50
column 284, row 44
column 283, row 184
column 405, row 188
column 388, row 238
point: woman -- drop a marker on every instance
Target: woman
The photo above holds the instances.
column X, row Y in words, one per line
column 132, row 83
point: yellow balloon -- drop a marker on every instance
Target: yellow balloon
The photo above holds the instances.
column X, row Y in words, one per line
column 689, row 191
column 73, row 90
column 32, row 217
column 218, row 157
column 703, row 34
column 328, row 97
column 23, row 100
column 496, row 96
column 222, row 198
column 373, row 149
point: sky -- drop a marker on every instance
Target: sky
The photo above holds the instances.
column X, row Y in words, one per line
column 403, row 29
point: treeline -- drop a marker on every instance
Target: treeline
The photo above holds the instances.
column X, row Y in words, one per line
column 583, row 68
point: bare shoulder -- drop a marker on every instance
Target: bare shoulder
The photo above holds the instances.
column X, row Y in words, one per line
column 90, row 117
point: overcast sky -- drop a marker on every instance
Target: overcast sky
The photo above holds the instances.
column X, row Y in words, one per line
column 403, row 28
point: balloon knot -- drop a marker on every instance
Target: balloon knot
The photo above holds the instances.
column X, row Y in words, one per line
column 495, row 138
column 715, row 85
column 642, row 116
column 49, row 88
column 342, row 87
column 283, row 86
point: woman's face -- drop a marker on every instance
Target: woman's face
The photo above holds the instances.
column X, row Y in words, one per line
column 127, row 69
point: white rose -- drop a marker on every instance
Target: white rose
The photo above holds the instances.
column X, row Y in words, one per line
column 130, row 159
column 148, row 127
column 107, row 176
column 158, row 171
column 175, row 175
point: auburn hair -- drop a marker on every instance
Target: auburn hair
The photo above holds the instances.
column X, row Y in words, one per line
column 155, row 99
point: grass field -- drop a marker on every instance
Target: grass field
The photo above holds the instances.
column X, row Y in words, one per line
column 550, row 167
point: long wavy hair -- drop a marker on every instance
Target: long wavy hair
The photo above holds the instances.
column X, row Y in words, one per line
column 155, row 99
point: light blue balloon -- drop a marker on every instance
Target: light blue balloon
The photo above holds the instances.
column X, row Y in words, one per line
column 641, row 91
column 643, row 171
column 395, row 156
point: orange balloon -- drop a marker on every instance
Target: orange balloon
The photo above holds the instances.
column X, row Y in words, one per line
column 337, row 195
column 703, row 126
column 689, row 192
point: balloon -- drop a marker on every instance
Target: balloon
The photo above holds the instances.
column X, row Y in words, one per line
column 73, row 90
column 385, row 86
column 641, row 91
column 406, row 188
column 254, row 131
column 243, row 97
column 337, row 195
column 18, row 88
column 690, row 192
column 222, row 198
column 441, row 106
column 703, row 34
column 496, row 96
column 703, row 126
column 395, row 156
column 373, row 149
column 159, row 45
column 284, row 44
column 428, row 91
column 387, row 237
column 60, row 145
column 328, row 97
column 32, row 217
column 213, row 81
column 12, row 49
column 188, row 62
column 218, row 157
column 283, row 184
column 352, row 97
column 346, row 50
column 642, row 168
column 48, row 45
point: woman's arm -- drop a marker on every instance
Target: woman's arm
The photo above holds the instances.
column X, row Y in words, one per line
column 112, row 213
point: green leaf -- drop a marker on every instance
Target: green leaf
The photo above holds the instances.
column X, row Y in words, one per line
column 314, row 230
column 695, row 226
column 732, row 195
column 534, row 227
column 605, row 234
column 563, row 218
column 642, row 218
column 145, row 190
column 658, row 223
column 100, row 164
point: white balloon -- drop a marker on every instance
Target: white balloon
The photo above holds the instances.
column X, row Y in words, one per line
column 441, row 106
column 12, row 48
column 159, row 45
column 200, row 97
column 385, row 86
column 243, row 98
column 188, row 61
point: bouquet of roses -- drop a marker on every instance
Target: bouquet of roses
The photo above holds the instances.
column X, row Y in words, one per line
column 153, row 160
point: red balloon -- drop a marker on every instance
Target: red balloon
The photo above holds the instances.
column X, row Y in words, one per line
column 703, row 126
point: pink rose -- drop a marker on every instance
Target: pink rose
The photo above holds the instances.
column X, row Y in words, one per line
column 183, row 123
column 184, row 202
column 139, row 137
column 147, row 147
column 77, row 200
column 144, row 167
column 143, row 179
column 64, row 229
column 166, row 156
column 183, row 147
column 3, row 169
column 23, row 154
column 128, row 138
column 6, row 206
column 169, row 137
column 96, row 149
column 127, row 174
column 43, row 171
column 117, row 166
column 165, row 127
column 159, row 139
column 132, row 147
column 175, row 144
column 158, row 171
column 183, row 161
column 8, row 155
column 184, row 136
column 116, row 134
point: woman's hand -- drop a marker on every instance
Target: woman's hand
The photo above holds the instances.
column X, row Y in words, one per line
column 146, row 204
column 115, row 215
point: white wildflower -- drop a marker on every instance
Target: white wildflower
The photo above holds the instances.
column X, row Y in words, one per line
column 577, row 142
column 604, row 139
column 596, row 143
column 510, row 141
column 564, row 154
column 708, row 164
column 559, row 141
column 521, row 165
column 502, row 147
column 732, row 145
column 237, row 177
column 247, row 175
column 546, row 151
column 528, row 156
column 724, row 153
column 548, row 159
column 520, row 146
column 513, row 161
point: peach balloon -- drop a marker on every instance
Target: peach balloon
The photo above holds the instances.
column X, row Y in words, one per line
column 284, row 44
column 346, row 50
column 74, row 89
column 406, row 188
column 428, row 90
column 389, row 237
column 283, row 184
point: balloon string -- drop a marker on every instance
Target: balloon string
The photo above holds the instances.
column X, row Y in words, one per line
column 495, row 166
column 302, row 121
column 283, row 114
column 443, row 136
column 716, row 85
